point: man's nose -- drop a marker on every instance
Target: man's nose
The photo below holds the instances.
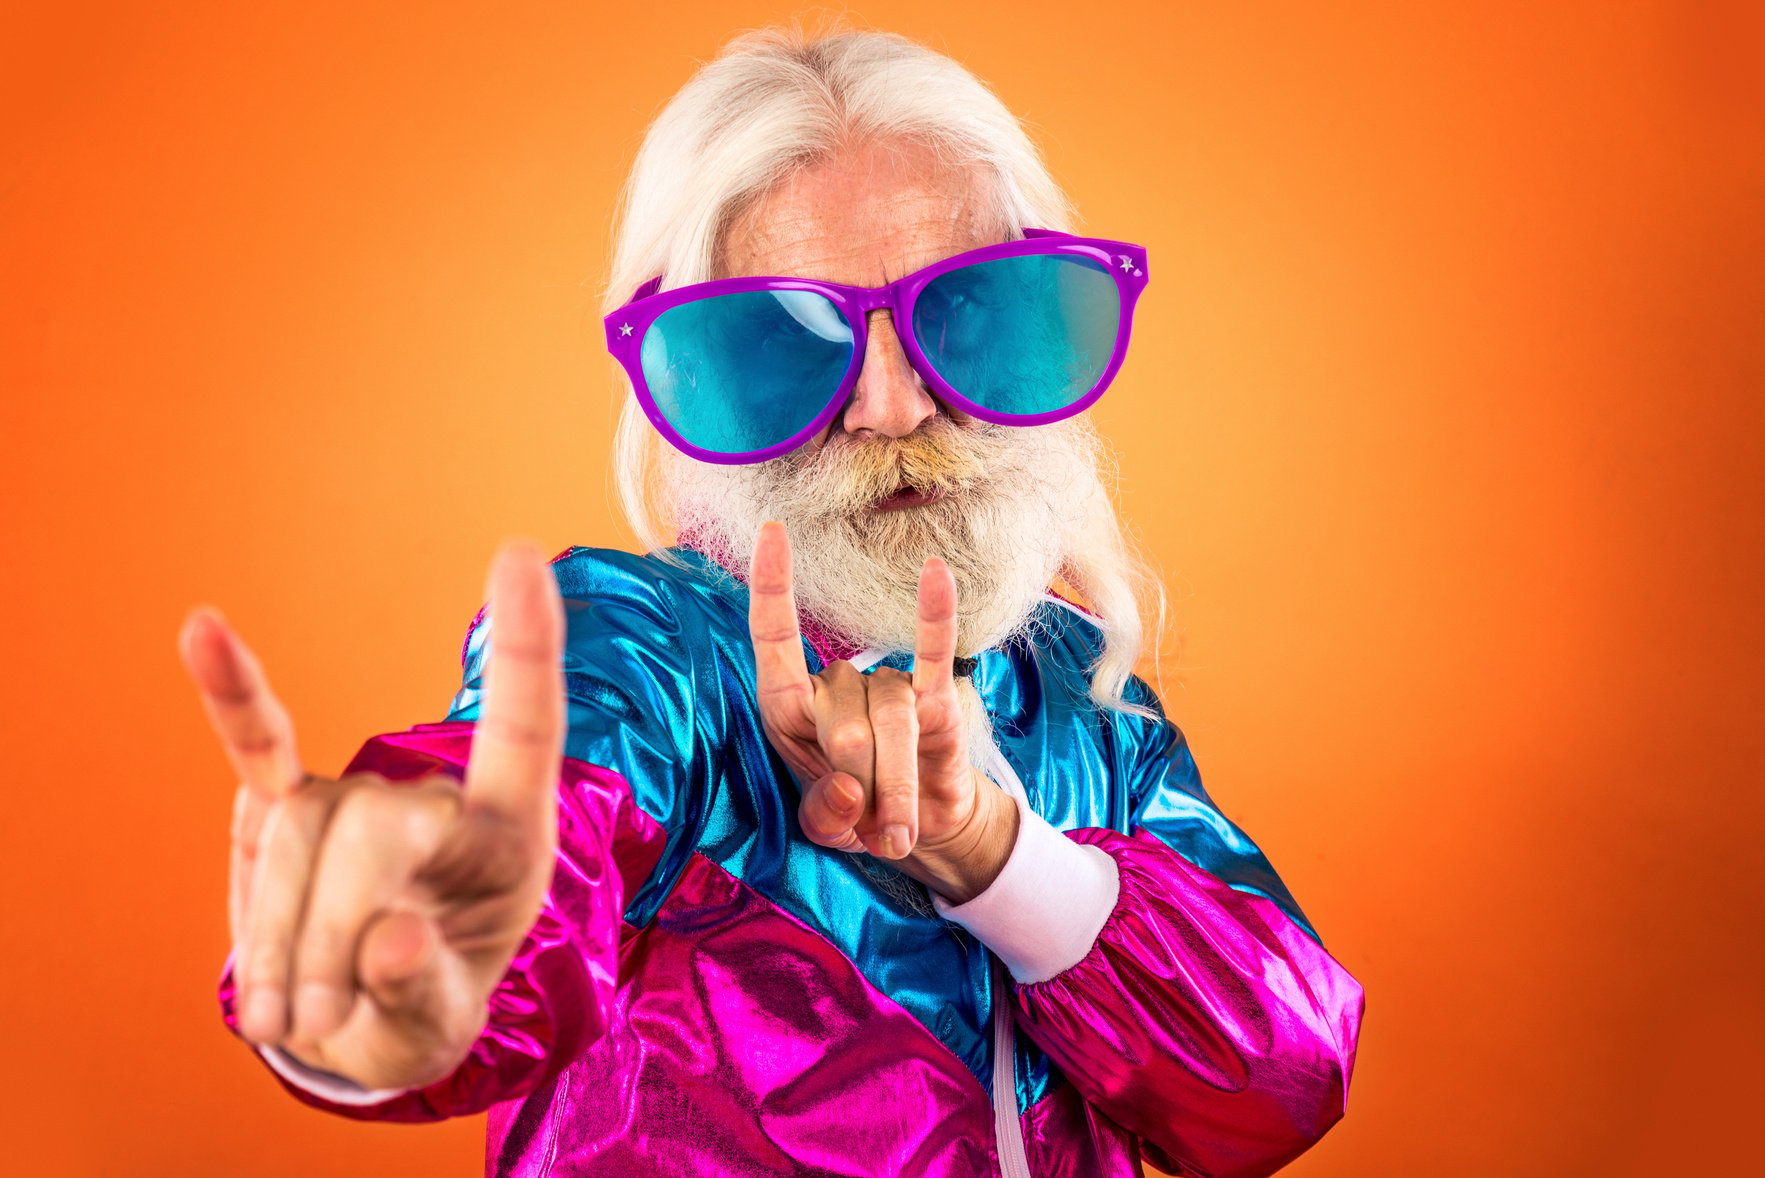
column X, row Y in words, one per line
column 889, row 399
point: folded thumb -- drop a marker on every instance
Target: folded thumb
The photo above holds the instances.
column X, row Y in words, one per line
column 396, row 962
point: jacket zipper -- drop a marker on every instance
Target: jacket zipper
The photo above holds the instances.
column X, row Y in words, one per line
column 1014, row 1162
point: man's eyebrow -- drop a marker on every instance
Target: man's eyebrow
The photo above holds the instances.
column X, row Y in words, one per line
column 890, row 271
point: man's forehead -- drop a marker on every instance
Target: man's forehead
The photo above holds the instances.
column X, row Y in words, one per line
column 864, row 216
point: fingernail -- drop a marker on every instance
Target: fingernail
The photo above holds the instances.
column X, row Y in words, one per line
column 848, row 793
column 894, row 840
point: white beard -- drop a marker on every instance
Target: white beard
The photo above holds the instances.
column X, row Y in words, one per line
column 1015, row 502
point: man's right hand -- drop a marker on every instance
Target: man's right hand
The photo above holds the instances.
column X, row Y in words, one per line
column 372, row 920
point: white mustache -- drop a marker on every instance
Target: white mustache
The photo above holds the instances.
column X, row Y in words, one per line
column 843, row 478
column 1014, row 502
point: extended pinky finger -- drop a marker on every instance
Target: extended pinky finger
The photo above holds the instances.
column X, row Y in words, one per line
column 831, row 809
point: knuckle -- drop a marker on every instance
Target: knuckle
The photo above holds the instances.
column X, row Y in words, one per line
column 849, row 738
column 371, row 806
column 380, row 811
column 438, row 793
column 304, row 813
column 516, row 730
column 903, row 783
column 895, row 714
column 519, row 649
column 893, row 693
column 313, row 786
column 897, row 802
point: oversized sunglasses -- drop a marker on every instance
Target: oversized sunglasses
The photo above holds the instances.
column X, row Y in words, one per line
column 745, row 369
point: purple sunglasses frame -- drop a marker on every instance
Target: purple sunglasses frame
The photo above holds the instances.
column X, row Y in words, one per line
column 626, row 328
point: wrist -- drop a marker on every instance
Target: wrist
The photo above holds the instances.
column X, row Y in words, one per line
column 1045, row 911
column 965, row 866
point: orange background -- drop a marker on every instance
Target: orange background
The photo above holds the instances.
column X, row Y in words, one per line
column 1442, row 421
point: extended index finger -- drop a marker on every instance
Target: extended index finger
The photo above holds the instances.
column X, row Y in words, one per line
column 934, row 638
column 518, row 744
column 779, row 666
column 254, row 728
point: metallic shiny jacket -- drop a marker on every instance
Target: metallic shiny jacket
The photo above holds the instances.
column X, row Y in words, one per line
column 707, row 992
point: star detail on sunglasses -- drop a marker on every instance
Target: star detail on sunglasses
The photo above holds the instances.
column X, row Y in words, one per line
column 625, row 329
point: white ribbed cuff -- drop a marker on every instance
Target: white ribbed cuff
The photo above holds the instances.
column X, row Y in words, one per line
column 325, row 1085
column 1043, row 913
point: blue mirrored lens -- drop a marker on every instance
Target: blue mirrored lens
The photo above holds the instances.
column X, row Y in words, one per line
column 739, row 373
column 1021, row 336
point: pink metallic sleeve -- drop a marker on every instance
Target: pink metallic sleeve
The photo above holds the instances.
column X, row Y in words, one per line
column 555, row 996
column 1203, row 1019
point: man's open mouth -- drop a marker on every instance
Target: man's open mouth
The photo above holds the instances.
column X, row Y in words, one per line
column 908, row 497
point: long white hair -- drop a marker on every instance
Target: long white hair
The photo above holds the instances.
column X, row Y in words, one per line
column 776, row 101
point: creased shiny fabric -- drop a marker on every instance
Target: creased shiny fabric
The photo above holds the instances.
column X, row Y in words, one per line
column 743, row 1043
column 1065, row 1136
column 1201, row 1019
column 774, row 1008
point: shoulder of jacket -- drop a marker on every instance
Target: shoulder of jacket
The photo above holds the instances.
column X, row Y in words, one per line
column 662, row 584
column 1061, row 623
column 586, row 573
column 1075, row 635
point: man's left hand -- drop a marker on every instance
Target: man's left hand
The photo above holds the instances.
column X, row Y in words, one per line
column 883, row 758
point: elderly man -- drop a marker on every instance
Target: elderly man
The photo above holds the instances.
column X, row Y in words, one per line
column 839, row 837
